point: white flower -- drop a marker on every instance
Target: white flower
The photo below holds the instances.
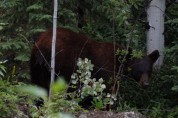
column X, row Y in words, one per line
column 87, row 78
column 94, row 93
column 73, row 81
column 101, row 80
column 103, row 86
column 85, row 82
column 73, row 76
column 87, row 67
column 99, row 89
column 88, row 73
column 108, row 95
column 114, row 97
column 94, row 86
column 94, row 79
column 79, row 63
column 111, row 102
column 86, row 60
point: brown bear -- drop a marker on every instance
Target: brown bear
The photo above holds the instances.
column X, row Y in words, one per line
column 71, row 45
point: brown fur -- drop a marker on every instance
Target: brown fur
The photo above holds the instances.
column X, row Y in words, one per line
column 69, row 47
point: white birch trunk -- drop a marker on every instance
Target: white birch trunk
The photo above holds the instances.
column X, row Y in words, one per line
column 53, row 45
column 155, row 36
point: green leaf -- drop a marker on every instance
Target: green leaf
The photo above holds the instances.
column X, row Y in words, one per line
column 98, row 103
column 59, row 85
column 34, row 90
column 1, row 74
column 22, row 57
column 175, row 88
column 46, row 16
column 34, row 7
column 2, row 68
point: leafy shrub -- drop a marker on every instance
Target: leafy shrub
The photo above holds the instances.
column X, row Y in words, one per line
column 88, row 86
column 55, row 105
column 158, row 100
column 12, row 102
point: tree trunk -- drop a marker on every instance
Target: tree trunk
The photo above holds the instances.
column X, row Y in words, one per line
column 155, row 34
column 53, row 45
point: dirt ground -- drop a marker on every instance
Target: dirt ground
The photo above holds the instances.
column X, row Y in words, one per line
column 96, row 114
column 110, row 114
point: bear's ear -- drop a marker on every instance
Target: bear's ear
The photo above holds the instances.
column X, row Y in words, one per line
column 154, row 56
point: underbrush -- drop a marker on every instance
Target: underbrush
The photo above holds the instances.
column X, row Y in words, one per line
column 159, row 100
column 12, row 102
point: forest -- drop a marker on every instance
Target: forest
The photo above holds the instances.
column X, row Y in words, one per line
column 118, row 21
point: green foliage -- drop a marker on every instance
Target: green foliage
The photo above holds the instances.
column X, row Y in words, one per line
column 12, row 102
column 16, row 51
column 21, row 47
column 171, row 62
column 124, row 106
column 134, row 54
column 21, row 21
column 121, row 54
column 90, row 86
column 137, row 54
column 8, row 99
column 175, row 88
column 112, row 19
column 57, row 103
column 59, row 86
column 157, row 101
column 156, row 112
column 171, row 24
column 160, row 98
column 18, row 24
column 34, row 90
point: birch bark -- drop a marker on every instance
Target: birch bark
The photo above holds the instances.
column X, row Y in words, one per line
column 155, row 35
column 53, row 50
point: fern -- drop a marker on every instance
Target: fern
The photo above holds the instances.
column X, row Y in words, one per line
column 22, row 57
column 14, row 44
column 5, row 4
column 36, row 30
column 34, row 7
column 172, row 21
column 40, row 17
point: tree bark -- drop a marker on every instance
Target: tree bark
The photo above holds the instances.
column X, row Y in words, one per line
column 53, row 45
column 155, row 34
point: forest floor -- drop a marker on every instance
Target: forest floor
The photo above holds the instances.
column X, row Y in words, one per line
column 95, row 113
column 110, row 114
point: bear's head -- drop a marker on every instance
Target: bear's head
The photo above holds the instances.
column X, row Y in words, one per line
column 141, row 69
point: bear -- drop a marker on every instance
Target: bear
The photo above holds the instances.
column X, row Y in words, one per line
column 71, row 45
